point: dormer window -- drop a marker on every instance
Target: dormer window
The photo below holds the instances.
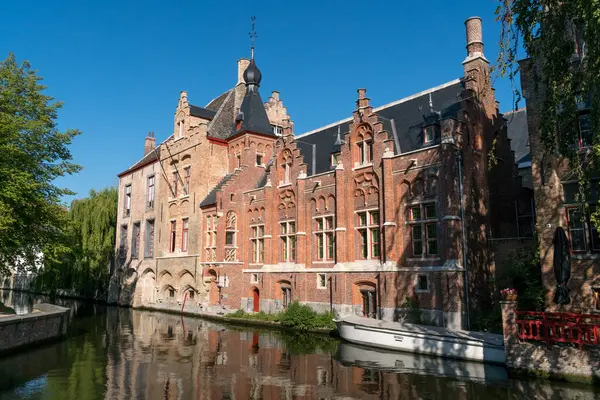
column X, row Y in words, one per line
column 278, row 130
column 430, row 133
column 334, row 159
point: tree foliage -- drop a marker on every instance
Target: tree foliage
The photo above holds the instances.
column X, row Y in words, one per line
column 563, row 40
column 33, row 153
column 91, row 236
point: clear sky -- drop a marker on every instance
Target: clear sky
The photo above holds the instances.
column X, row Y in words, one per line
column 119, row 66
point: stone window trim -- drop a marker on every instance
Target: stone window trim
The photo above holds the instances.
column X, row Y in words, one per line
column 287, row 238
column 324, row 232
column 321, row 281
column 151, row 191
column 257, row 240
column 424, row 229
column 123, row 243
column 185, row 233
column 260, row 160
column 172, row 236
column 422, row 283
column 335, row 158
column 187, row 178
column 135, row 240
column 210, row 241
column 430, row 133
column 368, row 223
column 254, row 278
column 589, row 235
column 364, row 146
column 127, row 201
column 149, row 237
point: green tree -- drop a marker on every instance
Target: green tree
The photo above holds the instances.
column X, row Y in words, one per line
column 33, row 153
column 90, row 238
column 563, row 40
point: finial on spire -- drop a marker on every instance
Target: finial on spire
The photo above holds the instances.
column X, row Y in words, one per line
column 430, row 103
column 252, row 37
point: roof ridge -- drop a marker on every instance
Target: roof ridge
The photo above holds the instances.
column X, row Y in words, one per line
column 393, row 103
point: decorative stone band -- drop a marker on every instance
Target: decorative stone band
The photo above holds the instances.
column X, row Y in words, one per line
column 356, row 267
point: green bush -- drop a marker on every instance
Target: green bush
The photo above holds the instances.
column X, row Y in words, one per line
column 296, row 315
column 301, row 316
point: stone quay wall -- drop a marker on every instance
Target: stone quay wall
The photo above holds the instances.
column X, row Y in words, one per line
column 540, row 359
column 47, row 322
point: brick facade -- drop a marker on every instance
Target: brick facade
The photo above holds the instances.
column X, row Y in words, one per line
column 367, row 228
column 554, row 188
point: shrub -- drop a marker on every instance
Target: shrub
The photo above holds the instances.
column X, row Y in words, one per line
column 303, row 317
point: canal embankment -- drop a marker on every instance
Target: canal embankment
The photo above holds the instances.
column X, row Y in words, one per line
column 297, row 317
column 546, row 356
column 47, row 322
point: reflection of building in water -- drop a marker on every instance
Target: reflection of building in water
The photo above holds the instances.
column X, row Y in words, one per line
column 170, row 357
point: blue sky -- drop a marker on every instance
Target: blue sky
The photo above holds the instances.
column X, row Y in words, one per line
column 119, row 66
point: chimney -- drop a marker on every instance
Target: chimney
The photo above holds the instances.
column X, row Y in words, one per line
column 474, row 38
column 242, row 65
column 149, row 143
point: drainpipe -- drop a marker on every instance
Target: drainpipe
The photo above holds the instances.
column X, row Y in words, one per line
column 464, row 237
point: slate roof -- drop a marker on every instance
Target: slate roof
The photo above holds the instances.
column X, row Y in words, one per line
column 201, row 112
column 147, row 159
column 253, row 114
column 408, row 115
column 516, row 124
column 211, row 198
column 216, row 103
column 223, row 123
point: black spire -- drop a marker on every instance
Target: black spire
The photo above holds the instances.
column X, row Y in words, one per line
column 252, row 116
column 252, row 75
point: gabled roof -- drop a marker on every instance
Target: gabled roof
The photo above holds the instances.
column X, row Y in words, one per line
column 409, row 116
column 518, row 133
column 147, row 159
column 201, row 112
column 211, row 198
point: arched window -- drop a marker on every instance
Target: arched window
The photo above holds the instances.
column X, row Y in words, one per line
column 363, row 140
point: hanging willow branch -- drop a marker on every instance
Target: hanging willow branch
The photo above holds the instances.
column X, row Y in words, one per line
column 549, row 31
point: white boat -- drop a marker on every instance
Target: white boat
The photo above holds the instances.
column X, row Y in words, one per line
column 430, row 340
column 417, row 364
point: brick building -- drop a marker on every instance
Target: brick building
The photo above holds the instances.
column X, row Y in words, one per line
column 555, row 188
column 392, row 206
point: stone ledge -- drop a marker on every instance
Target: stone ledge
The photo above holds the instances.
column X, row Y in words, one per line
column 47, row 322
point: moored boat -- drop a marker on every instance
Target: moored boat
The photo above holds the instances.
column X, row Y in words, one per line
column 421, row 339
column 350, row 354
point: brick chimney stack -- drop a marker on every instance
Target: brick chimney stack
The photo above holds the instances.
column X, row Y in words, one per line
column 474, row 38
column 149, row 143
column 242, row 65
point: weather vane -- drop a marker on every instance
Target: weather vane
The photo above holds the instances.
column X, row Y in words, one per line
column 252, row 34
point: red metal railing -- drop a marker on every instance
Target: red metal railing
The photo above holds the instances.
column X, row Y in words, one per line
column 578, row 329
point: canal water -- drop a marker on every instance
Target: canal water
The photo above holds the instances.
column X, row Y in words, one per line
column 119, row 353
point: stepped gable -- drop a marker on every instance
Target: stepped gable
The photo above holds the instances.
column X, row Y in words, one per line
column 409, row 116
column 211, row 198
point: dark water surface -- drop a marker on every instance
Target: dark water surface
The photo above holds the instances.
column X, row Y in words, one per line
column 114, row 353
